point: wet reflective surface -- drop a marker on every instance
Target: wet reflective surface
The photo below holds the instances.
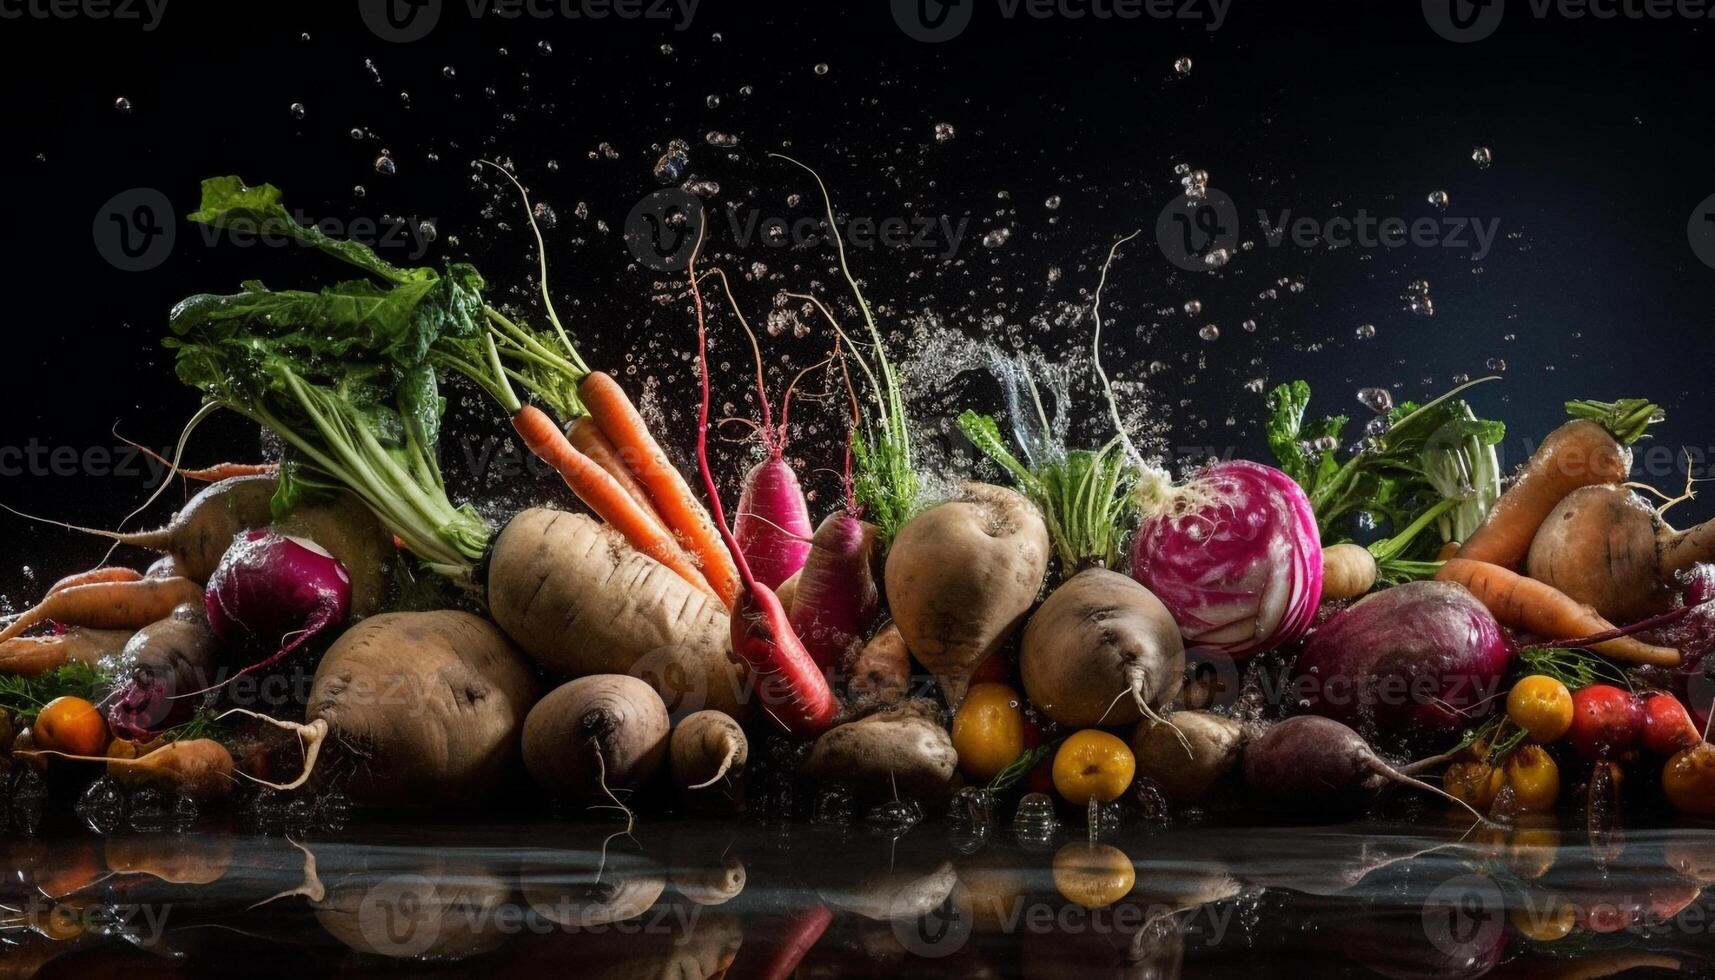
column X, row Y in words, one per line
column 432, row 896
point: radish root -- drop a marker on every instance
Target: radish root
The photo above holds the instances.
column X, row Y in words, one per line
column 310, row 739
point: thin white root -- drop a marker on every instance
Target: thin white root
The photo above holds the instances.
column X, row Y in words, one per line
column 310, row 736
column 725, row 766
column 1404, row 780
column 1157, row 718
column 312, row 888
column 601, row 780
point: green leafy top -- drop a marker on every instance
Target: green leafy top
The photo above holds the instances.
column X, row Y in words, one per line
column 1431, row 464
column 1627, row 420
column 25, row 697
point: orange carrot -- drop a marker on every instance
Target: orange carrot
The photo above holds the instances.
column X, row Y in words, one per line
column 602, row 494
column 29, row 656
column 106, row 573
column 109, row 605
column 1526, row 604
column 208, row 474
column 678, row 506
column 586, row 438
column 1580, row 453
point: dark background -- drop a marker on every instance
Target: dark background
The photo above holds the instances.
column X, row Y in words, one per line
column 1599, row 132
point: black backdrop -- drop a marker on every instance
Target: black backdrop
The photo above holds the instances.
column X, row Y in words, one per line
column 1599, row 131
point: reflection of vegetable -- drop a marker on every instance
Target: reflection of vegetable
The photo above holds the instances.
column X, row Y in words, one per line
column 1422, row 657
column 1524, row 603
column 1591, row 450
column 1235, row 556
column 1431, row 464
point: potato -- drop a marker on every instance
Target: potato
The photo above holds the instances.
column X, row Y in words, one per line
column 1189, row 753
column 903, row 747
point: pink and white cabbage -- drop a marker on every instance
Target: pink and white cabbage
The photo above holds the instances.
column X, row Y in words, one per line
column 1236, row 557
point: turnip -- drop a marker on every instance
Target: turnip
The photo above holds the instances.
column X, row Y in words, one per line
column 595, row 736
column 171, row 657
column 1606, row 547
column 276, row 591
column 1189, row 754
column 1102, row 650
column 1314, row 768
column 1418, row 659
column 962, row 576
column 705, row 748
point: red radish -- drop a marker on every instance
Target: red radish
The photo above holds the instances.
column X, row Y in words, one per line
column 1605, row 720
column 1667, row 727
column 772, row 525
column 275, row 590
column 794, row 692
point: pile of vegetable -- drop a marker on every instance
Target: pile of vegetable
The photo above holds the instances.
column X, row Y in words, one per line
column 1050, row 635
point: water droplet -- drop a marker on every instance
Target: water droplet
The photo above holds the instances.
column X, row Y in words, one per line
column 385, row 166
column 1209, row 332
column 1156, row 367
column 545, row 215
column 1217, row 257
column 1377, row 400
column 1482, row 156
column 1193, row 307
column 944, row 132
column 1439, row 200
column 449, row 72
column 715, row 137
column 1254, row 386
column 746, row 90
column 427, row 231
column 304, row 37
column 671, row 166
column 357, row 132
column 1496, row 364
column 713, row 101
column 1182, row 67
column 716, row 37
column 821, row 68
column 1326, row 444
column 553, row 166
column 297, row 110
column 1417, row 298
column 359, row 191
column 701, row 188
column 122, row 104
column 996, row 237
column 1365, row 331
column 667, row 50
column 543, row 47
column 1053, row 202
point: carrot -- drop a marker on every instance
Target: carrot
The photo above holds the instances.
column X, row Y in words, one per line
column 586, row 438
column 1524, row 603
column 28, row 656
column 678, row 506
column 109, row 605
column 1591, row 450
column 226, row 471
column 201, row 769
column 602, row 493
column 106, row 573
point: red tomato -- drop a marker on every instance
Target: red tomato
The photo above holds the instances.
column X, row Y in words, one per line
column 1605, row 719
column 1667, row 725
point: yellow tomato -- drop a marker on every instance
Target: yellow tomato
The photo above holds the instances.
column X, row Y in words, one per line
column 988, row 731
column 1542, row 706
column 1688, row 780
column 1475, row 782
column 1534, row 778
column 1093, row 875
column 1093, row 765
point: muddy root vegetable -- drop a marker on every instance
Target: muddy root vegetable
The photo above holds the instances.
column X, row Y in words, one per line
column 1609, row 549
column 837, row 600
column 595, row 736
column 1103, row 650
column 1189, row 754
column 1316, row 769
column 881, row 674
column 901, row 749
column 168, row 658
column 580, row 600
column 705, row 748
column 430, row 705
column 962, row 576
